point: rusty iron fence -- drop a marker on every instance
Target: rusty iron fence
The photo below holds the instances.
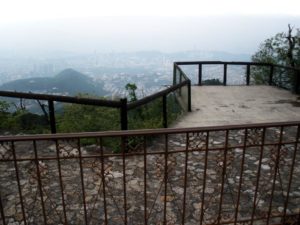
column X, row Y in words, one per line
column 241, row 174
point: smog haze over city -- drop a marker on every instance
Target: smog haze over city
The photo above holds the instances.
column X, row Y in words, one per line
column 132, row 40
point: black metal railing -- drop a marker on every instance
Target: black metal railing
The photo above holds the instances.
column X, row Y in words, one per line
column 184, row 93
column 163, row 94
column 254, row 73
column 210, row 175
column 122, row 105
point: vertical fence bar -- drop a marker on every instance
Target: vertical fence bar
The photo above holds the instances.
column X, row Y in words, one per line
column 204, row 177
column 61, row 181
column 223, row 177
column 2, row 211
column 82, row 181
column 258, row 174
column 123, row 114
column 145, row 181
column 166, row 179
column 103, row 180
column 18, row 181
column 174, row 73
column 52, row 116
column 39, row 181
column 124, row 140
column 180, row 76
column 225, row 75
column 275, row 174
column 185, row 177
column 248, row 75
column 241, row 178
column 180, row 80
column 200, row 74
column 271, row 74
column 165, row 116
column 297, row 81
column 291, row 175
column 189, row 96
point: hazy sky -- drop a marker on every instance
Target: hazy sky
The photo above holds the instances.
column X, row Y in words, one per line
column 236, row 26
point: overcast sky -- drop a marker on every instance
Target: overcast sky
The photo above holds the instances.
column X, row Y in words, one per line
column 236, row 26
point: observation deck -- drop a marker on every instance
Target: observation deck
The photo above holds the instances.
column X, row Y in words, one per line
column 227, row 105
column 245, row 171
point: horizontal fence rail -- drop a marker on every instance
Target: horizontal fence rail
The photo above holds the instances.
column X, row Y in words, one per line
column 255, row 73
column 261, row 73
column 64, row 99
column 210, row 175
column 122, row 104
column 52, row 99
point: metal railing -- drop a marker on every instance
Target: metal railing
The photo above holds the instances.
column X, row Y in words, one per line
column 163, row 94
column 255, row 72
column 122, row 104
column 210, row 175
column 261, row 73
column 183, row 95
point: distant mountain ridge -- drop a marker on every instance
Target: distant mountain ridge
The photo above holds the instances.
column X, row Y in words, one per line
column 67, row 82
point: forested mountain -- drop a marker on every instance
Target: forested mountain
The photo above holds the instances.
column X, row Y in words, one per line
column 67, row 82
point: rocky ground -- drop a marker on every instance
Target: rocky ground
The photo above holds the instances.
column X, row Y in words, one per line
column 186, row 158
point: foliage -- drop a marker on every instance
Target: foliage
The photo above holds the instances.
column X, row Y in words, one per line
column 277, row 50
column 86, row 118
column 282, row 49
column 212, row 82
column 21, row 121
column 146, row 116
column 25, row 121
column 131, row 88
column 4, row 106
column 150, row 115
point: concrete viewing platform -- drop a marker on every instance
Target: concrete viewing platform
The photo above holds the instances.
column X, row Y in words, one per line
column 224, row 105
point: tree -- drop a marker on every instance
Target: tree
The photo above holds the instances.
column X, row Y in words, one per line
column 87, row 118
column 20, row 120
column 131, row 88
column 282, row 49
column 4, row 106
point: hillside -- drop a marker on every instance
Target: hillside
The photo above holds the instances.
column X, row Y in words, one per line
column 67, row 82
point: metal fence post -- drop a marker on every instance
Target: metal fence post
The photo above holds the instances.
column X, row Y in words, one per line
column 2, row 211
column 248, row 75
column 189, row 96
column 297, row 81
column 271, row 74
column 200, row 74
column 123, row 114
column 180, row 80
column 52, row 116
column 174, row 73
column 165, row 117
column 225, row 75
